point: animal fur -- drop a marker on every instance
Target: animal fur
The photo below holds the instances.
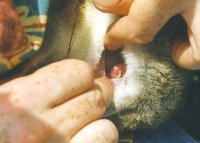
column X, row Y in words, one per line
column 153, row 88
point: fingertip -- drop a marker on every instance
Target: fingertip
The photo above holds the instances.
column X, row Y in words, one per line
column 106, row 87
column 105, row 6
column 99, row 131
column 111, row 41
column 82, row 66
column 112, row 47
column 118, row 34
column 112, row 127
column 181, row 52
column 113, row 6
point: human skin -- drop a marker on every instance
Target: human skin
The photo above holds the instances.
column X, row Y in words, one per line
column 142, row 19
column 57, row 103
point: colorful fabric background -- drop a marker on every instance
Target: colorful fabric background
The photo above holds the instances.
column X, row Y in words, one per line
column 33, row 16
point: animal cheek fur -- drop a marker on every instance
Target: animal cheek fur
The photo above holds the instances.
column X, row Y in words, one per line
column 129, row 88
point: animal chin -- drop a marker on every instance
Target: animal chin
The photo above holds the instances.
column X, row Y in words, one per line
column 114, row 68
column 112, row 65
column 127, row 87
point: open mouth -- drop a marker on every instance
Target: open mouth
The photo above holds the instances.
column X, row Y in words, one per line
column 113, row 65
column 115, row 68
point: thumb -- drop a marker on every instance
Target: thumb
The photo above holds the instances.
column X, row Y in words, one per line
column 144, row 20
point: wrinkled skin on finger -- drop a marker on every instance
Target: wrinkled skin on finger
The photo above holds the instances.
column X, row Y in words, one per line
column 143, row 19
column 26, row 112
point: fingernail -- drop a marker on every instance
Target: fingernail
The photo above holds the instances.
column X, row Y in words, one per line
column 111, row 47
column 106, row 6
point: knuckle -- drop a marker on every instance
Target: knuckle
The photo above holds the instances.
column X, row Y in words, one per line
column 81, row 67
column 85, row 66
column 76, row 62
column 139, row 38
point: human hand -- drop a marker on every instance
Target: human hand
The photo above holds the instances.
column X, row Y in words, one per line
column 58, row 103
column 142, row 19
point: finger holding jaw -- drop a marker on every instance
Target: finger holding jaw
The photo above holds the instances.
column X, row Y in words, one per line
column 64, row 96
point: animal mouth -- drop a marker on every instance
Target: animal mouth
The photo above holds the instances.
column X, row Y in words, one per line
column 115, row 67
column 112, row 65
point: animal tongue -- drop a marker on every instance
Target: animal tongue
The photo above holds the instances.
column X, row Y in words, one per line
column 12, row 35
column 116, row 74
column 111, row 65
column 117, row 71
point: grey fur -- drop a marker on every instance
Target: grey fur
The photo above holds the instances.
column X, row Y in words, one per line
column 162, row 85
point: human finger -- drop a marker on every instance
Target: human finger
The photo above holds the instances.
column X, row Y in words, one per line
column 73, row 115
column 187, row 54
column 65, row 79
column 100, row 131
column 144, row 20
column 113, row 6
column 55, row 83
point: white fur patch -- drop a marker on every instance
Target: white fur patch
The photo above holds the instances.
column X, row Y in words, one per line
column 129, row 86
column 98, row 23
